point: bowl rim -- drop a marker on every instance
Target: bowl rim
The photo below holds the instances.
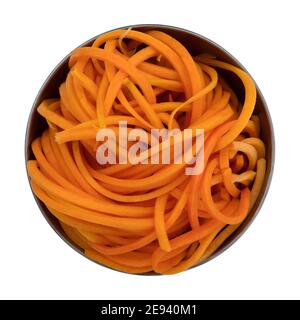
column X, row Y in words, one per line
column 270, row 163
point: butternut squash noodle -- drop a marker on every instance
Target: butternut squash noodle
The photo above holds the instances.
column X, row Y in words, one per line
column 140, row 218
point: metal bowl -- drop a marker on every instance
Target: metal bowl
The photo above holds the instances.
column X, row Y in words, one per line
column 196, row 44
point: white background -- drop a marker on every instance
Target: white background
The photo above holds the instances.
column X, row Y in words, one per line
column 36, row 263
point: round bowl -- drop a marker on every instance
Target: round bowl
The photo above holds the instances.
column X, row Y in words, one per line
column 196, row 44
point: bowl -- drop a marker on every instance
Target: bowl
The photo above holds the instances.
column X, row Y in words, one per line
column 196, row 44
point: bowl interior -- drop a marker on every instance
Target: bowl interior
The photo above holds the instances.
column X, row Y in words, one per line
column 196, row 44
